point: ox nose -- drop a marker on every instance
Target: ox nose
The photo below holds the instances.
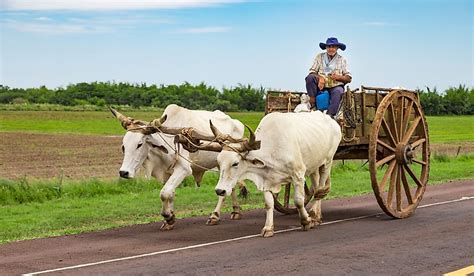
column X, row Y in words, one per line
column 123, row 174
column 220, row 192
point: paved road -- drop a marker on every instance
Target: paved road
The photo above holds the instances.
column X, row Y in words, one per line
column 437, row 239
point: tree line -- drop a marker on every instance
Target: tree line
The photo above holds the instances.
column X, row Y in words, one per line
column 201, row 96
column 453, row 101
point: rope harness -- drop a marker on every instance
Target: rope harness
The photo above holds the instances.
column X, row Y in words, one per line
column 178, row 154
column 348, row 112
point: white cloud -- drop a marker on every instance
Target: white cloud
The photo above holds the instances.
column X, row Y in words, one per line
column 57, row 29
column 130, row 20
column 374, row 24
column 204, row 30
column 16, row 5
column 77, row 25
column 43, row 18
column 379, row 24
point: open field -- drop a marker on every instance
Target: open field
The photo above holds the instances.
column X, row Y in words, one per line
column 63, row 169
column 28, row 136
column 443, row 129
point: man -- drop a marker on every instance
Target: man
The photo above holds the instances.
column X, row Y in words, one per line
column 329, row 72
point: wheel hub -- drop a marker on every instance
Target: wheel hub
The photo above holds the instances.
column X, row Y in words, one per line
column 404, row 153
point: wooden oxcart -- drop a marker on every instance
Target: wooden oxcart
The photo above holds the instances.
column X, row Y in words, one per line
column 385, row 126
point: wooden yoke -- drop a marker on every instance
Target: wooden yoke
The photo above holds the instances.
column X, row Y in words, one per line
column 190, row 139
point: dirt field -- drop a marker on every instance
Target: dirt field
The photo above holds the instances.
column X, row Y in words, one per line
column 81, row 156
column 68, row 156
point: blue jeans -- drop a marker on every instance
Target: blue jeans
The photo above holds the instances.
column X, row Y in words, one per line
column 335, row 93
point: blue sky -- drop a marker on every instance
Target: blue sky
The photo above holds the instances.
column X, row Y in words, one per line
column 265, row 43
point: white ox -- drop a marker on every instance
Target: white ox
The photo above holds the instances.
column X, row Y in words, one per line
column 293, row 146
column 156, row 152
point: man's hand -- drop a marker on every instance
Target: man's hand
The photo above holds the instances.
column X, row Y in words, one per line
column 345, row 79
column 321, row 82
column 335, row 77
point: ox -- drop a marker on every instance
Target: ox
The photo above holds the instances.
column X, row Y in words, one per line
column 170, row 163
column 293, row 146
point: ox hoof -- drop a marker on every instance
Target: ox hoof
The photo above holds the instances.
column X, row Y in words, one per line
column 306, row 225
column 266, row 233
column 235, row 216
column 167, row 226
column 213, row 221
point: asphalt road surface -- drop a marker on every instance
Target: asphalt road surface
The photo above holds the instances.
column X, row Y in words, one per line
column 355, row 239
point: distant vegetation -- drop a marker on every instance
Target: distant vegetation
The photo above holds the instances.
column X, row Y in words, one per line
column 202, row 96
column 453, row 101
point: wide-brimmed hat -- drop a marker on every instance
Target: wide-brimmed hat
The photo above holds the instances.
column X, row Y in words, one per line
column 332, row 41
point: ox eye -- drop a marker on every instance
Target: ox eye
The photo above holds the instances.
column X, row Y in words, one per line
column 139, row 145
column 123, row 149
column 235, row 164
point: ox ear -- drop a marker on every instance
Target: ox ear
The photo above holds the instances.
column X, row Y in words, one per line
column 156, row 145
column 257, row 162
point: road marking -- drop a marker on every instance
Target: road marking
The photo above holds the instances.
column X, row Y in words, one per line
column 461, row 272
column 223, row 241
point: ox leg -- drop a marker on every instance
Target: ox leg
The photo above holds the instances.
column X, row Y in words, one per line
column 323, row 184
column 299, row 203
column 236, row 214
column 167, row 198
column 267, row 230
column 214, row 217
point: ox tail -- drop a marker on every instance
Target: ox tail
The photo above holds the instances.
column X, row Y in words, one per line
column 322, row 193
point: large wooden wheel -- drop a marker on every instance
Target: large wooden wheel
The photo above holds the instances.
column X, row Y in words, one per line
column 399, row 154
column 287, row 205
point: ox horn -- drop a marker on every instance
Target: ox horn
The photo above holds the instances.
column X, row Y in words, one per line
column 157, row 123
column 214, row 129
column 124, row 120
column 252, row 144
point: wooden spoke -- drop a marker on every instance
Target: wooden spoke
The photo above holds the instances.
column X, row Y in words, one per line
column 419, row 162
column 286, row 206
column 394, row 122
column 400, row 122
column 410, row 131
column 393, row 179
column 406, row 117
column 385, row 145
column 413, row 176
column 387, row 131
column 418, row 142
column 398, row 189
column 286, row 201
column 387, row 174
column 406, row 187
column 385, row 160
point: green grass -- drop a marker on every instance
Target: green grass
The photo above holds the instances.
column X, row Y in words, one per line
column 33, row 209
column 444, row 129
column 86, row 122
